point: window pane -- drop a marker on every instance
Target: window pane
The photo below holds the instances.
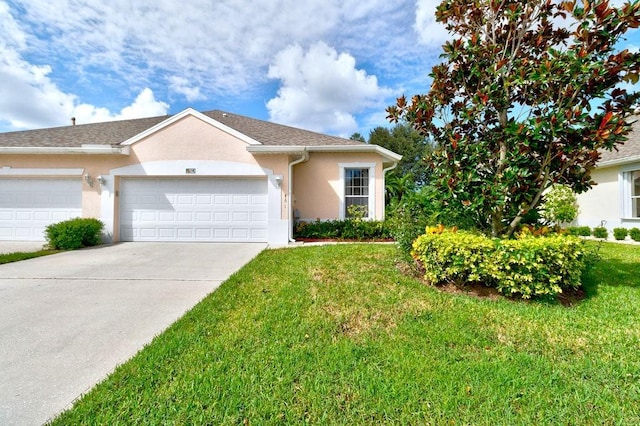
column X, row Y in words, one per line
column 635, row 207
column 635, row 184
column 361, row 211
column 356, row 190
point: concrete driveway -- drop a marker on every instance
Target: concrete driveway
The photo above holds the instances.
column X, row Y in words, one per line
column 67, row 320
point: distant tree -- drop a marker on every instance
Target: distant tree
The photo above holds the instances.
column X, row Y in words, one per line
column 357, row 137
column 413, row 147
column 528, row 94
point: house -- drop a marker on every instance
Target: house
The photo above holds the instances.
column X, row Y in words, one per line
column 615, row 200
column 210, row 176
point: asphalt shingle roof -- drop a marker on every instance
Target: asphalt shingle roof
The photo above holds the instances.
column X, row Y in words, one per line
column 108, row 133
column 115, row 132
column 631, row 148
column 276, row 134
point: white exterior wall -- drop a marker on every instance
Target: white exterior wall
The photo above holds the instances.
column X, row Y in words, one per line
column 607, row 201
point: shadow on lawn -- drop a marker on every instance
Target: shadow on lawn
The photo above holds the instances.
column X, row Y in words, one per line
column 611, row 272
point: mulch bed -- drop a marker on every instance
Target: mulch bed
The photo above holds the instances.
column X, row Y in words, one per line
column 481, row 291
column 343, row 240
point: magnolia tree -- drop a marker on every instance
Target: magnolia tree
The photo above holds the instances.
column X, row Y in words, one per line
column 527, row 95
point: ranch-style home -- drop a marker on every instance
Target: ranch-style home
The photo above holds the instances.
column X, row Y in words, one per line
column 210, row 176
column 615, row 200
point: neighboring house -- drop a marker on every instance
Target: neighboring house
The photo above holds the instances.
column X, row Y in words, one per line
column 615, row 200
column 211, row 176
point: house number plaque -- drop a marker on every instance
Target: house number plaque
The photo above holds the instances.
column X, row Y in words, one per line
column 190, row 171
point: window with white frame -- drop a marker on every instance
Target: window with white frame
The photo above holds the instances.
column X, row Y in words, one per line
column 635, row 193
column 630, row 190
column 358, row 196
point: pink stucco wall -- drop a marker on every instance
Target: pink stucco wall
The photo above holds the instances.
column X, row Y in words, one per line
column 317, row 185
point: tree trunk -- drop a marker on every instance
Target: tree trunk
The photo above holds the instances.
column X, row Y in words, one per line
column 496, row 222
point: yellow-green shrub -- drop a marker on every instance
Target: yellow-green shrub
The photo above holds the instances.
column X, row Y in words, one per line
column 531, row 267
column 452, row 256
column 526, row 267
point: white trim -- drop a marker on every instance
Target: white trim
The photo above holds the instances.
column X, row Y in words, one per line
column 289, row 200
column 372, row 187
column 625, row 185
column 619, row 161
column 180, row 116
column 631, row 167
column 289, row 149
column 84, row 149
column 624, row 190
column 10, row 171
column 179, row 167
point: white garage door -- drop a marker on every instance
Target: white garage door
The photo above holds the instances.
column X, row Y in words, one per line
column 27, row 206
column 193, row 209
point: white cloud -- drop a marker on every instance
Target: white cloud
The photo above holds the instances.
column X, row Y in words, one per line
column 321, row 90
column 145, row 105
column 29, row 98
column 191, row 51
column 185, row 88
column 220, row 46
column 429, row 31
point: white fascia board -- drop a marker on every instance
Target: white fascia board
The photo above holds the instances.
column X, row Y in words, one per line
column 192, row 112
column 619, row 161
column 278, row 149
column 10, row 171
column 84, row 149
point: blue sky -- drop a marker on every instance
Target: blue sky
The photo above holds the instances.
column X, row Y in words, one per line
column 325, row 65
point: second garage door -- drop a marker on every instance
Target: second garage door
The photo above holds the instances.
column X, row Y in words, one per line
column 193, row 209
column 28, row 206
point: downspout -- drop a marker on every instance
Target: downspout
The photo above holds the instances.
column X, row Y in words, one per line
column 303, row 158
column 384, row 188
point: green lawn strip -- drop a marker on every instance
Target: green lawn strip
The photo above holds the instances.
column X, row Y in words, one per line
column 337, row 335
column 19, row 255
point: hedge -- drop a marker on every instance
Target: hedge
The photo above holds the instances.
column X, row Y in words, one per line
column 525, row 267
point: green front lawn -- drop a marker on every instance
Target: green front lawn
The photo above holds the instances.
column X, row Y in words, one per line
column 21, row 255
column 337, row 335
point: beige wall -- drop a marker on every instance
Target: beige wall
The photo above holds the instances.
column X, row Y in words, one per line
column 191, row 139
column 602, row 202
column 317, row 187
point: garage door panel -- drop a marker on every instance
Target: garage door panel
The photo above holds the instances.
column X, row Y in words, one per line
column 205, row 200
column 222, row 200
column 240, row 199
column 203, row 217
column 28, row 206
column 258, row 216
column 194, row 209
column 259, row 234
column 222, row 234
column 259, row 200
